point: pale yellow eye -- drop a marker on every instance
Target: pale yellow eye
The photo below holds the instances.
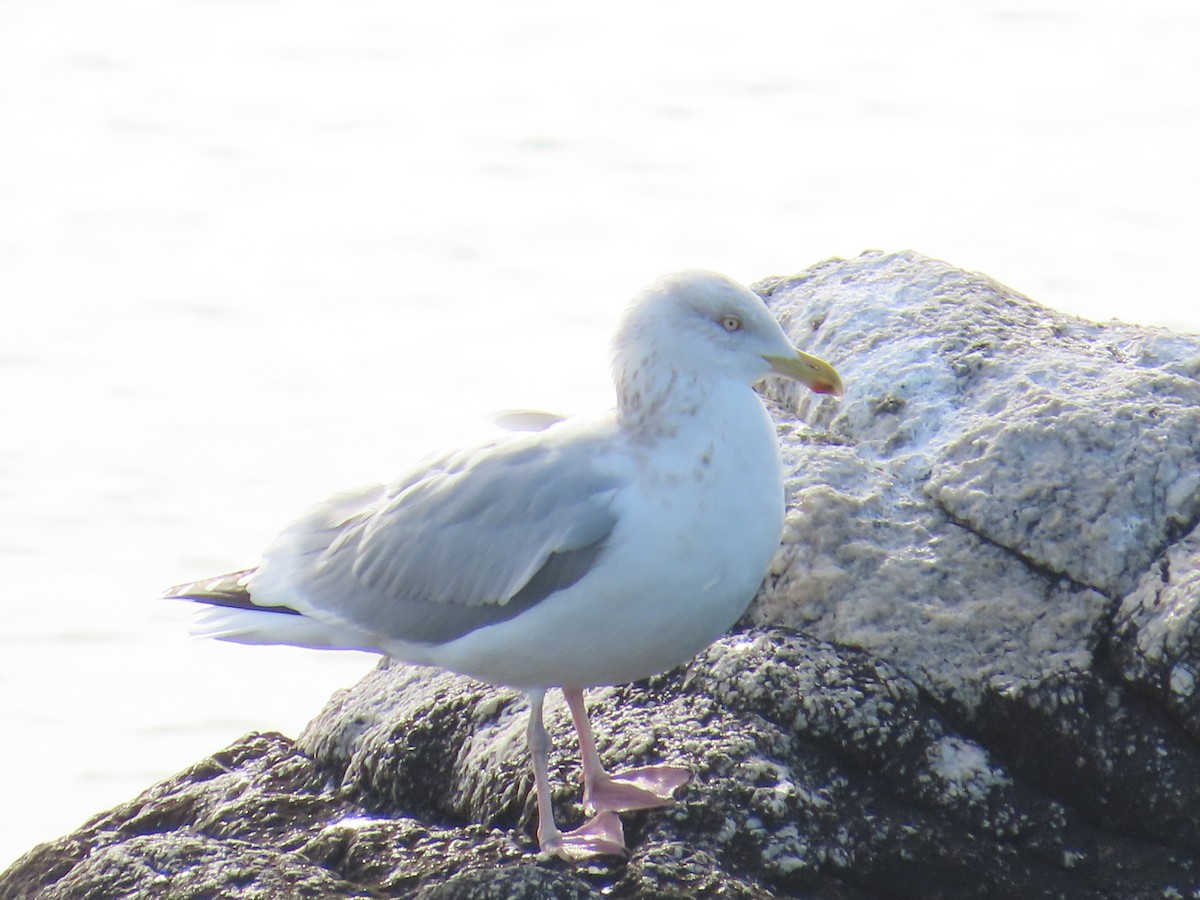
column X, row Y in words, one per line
column 731, row 323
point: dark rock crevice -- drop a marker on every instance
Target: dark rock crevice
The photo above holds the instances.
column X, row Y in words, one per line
column 1030, row 563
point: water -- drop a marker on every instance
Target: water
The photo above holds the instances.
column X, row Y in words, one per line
column 254, row 252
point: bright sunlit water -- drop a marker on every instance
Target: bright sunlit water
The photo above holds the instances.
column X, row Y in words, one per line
column 255, row 252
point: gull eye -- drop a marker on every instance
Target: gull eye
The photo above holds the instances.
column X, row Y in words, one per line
column 731, row 323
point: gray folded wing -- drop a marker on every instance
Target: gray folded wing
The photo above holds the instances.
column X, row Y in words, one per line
column 469, row 539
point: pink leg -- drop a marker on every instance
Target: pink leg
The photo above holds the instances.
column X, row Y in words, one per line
column 600, row 835
column 647, row 787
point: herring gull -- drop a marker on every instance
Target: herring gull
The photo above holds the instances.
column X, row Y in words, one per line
column 577, row 553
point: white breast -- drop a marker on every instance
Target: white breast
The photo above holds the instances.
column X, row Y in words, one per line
column 697, row 529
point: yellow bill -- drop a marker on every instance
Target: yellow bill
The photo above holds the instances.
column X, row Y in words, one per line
column 819, row 375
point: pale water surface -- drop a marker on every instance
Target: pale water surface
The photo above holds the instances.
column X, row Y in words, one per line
column 254, row 252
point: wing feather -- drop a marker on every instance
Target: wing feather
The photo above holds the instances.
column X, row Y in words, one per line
column 467, row 539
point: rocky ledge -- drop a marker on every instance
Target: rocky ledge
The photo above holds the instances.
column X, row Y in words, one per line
column 971, row 671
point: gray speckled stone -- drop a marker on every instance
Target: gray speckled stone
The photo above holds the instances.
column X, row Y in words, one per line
column 971, row 671
column 869, row 560
column 1156, row 639
column 997, row 474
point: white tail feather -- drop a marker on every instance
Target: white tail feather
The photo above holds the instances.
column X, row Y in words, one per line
column 250, row 626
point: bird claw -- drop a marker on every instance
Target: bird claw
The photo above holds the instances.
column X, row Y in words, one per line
column 601, row 835
column 647, row 787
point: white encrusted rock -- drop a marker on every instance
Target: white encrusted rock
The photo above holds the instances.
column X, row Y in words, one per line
column 996, row 476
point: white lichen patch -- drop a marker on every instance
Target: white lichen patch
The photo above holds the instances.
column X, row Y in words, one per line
column 489, row 707
column 352, row 823
column 1072, row 858
column 726, row 832
column 1183, row 681
column 786, row 851
column 964, row 770
column 775, row 800
column 743, row 645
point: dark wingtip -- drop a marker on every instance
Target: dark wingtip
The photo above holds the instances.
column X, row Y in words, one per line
column 222, row 590
column 232, row 585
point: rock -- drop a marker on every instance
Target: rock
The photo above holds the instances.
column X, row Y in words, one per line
column 232, row 819
column 1001, row 486
column 971, row 671
column 1156, row 634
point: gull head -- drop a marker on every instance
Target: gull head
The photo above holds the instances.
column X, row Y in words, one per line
column 699, row 326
